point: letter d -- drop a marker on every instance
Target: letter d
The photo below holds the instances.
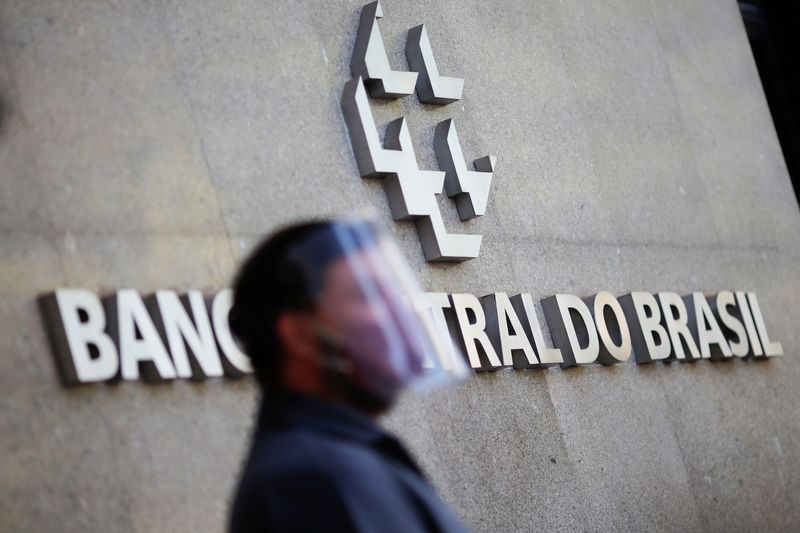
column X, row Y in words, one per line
column 572, row 329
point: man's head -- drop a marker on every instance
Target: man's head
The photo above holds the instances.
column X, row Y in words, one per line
column 267, row 285
column 318, row 309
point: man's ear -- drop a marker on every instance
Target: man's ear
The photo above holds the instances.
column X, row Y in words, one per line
column 296, row 333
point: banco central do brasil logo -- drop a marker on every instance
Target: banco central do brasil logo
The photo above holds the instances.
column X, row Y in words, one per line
column 412, row 191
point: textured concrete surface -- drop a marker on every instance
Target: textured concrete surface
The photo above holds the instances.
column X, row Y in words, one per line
column 150, row 144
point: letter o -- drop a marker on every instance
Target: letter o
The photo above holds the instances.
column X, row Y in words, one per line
column 610, row 352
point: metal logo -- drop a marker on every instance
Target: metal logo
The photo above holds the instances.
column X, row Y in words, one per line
column 412, row 191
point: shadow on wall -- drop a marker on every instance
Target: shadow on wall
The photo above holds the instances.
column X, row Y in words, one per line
column 3, row 114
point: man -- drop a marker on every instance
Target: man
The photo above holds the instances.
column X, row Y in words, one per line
column 323, row 310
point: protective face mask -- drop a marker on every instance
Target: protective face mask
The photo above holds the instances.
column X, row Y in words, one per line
column 362, row 356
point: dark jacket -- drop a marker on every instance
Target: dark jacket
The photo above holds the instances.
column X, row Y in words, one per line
column 319, row 466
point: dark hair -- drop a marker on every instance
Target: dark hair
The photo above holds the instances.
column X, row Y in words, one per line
column 267, row 284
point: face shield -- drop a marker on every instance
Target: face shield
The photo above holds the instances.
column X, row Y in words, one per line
column 369, row 321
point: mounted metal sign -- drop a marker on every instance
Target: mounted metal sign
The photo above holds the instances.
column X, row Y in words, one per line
column 411, row 191
column 169, row 336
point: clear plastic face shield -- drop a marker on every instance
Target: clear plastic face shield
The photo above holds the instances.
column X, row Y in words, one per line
column 369, row 321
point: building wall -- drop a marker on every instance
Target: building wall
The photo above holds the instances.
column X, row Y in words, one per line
column 151, row 144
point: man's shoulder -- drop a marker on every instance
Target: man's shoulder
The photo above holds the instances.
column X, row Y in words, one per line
column 286, row 483
column 297, row 451
column 324, row 482
column 292, row 472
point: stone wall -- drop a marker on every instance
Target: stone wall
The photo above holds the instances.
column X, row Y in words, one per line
column 151, row 144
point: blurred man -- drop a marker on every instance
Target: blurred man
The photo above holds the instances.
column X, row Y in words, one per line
column 324, row 311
